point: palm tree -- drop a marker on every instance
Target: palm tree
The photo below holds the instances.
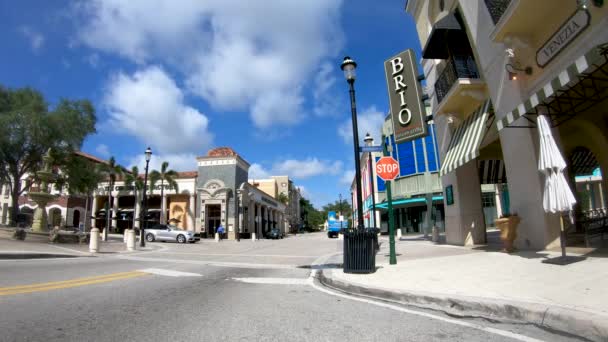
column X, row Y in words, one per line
column 163, row 176
column 133, row 179
column 111, row 171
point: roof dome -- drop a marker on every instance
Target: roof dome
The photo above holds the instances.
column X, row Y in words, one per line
column 222, row 152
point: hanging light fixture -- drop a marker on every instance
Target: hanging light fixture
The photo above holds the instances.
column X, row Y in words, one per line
column 514, row 71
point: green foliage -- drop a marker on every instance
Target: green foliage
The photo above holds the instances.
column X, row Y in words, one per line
column 28, row 128
column 344, row 208
column 80, row 175
column 283, row 198
column 311, row 217
column 164, row 175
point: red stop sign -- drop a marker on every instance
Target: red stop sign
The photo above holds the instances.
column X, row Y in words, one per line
column 387, row 168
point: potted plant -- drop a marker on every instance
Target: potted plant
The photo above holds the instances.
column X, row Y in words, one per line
column 507, row 224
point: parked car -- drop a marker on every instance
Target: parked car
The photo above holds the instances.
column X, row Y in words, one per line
column 274, row 233
column 166, row 232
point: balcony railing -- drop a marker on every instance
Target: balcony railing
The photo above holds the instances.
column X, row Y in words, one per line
column 455, row 68
column 497, row 8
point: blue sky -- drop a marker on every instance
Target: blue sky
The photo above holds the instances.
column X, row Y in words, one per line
column 261, row 77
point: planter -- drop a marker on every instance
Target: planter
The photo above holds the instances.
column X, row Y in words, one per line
column 508, row 231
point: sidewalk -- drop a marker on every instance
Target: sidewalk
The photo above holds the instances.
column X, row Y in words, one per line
column 475, row 282
column 37, row 246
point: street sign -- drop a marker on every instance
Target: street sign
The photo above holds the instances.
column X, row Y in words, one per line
column 387, row 168
column 370, row 148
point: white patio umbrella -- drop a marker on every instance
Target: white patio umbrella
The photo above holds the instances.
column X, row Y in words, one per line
column 557, row 197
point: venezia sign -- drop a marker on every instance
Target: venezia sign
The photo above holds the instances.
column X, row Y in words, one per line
column 404, row 94
column 569, row 30
column 132, row 188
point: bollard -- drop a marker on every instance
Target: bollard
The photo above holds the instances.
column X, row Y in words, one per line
column 217, row 237
column 252, row 236
column 125, row 236
column 399, row 233
column 130, row 239
column 102, row 235
column 94, row 241
column 435, row 234
column 340, row 236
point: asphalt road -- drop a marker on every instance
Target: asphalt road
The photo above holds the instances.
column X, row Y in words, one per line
column 247, row 291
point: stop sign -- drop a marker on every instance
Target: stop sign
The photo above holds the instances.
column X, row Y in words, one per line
column 387, row 168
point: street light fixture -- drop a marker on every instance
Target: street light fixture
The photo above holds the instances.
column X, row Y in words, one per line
column 341, row 215
column 369, row 141
column 142, row 221
column 349, row 66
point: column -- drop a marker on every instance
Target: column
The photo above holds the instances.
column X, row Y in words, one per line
column 266, row 218
column 536, row 230
column 163, row 209
column 114, row 212
column 191, row 213
column 93, row 211
column 258, row 219
column 137, row 209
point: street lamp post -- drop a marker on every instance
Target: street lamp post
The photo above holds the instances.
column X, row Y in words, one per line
column 340, row 217
column 369, row 141
column 142, row 220
column 349, row 66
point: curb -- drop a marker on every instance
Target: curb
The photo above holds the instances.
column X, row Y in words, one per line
column 22, row 256
column 588, row 325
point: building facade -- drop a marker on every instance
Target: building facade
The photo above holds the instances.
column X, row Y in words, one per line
column 492, row 67
column 217, row 193
column 283, row 189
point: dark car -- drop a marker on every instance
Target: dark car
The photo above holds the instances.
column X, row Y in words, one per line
column 274, row 234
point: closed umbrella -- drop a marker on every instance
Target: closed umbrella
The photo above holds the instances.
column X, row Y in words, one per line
column 557, row 196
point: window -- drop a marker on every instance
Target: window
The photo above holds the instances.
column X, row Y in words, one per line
column 488, row 199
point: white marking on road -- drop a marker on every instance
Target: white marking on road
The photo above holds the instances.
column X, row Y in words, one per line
column 69, row 249
column 243, row 255
column 275, row 281
column 210, row 263
column 169, row 273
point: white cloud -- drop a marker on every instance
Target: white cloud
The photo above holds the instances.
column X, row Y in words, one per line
column 257, row 171
column 36, row 39
column 327, row 102
column 236, row 55
column 150, row 106
column 347, row 177
column 93, row 60
column 103, row 150
column 177, row 162
column 370, row 121
column 307, row 168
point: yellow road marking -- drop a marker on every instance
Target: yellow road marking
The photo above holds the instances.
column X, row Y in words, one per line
column 4, row 291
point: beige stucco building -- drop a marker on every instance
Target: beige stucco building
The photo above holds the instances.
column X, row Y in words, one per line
column 493, row 66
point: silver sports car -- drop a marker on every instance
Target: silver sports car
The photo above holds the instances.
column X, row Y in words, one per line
column 165, row 232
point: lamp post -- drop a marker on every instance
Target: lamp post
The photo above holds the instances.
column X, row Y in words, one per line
column 142, row 240
column 340, row 217
column 369, row 141
column 349, row 66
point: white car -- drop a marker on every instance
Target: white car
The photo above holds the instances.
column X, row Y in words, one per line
column 165, row 232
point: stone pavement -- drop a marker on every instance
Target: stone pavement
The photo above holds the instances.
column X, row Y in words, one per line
column 487, row 283
column 37, row 245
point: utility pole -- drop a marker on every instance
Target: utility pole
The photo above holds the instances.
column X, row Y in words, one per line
column 387, row 151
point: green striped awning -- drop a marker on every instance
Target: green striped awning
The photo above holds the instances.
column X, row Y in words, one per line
column 465, row 142
column 567, row 77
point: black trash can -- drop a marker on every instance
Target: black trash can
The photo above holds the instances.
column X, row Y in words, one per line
column 360, row 247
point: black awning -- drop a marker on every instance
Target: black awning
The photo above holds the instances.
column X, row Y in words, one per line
column 446, row 36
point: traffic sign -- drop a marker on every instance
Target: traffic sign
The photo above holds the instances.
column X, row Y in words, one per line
column 387, row 168
column 372, row 148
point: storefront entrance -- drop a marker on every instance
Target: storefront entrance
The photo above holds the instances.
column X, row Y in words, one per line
column 213, row 219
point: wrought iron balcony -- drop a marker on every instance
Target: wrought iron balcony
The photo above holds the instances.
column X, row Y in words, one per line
column 497, row 8
column 456, row 67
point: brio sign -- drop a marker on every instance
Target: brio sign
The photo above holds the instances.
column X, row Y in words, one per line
column 387, row 168
column 404, row 95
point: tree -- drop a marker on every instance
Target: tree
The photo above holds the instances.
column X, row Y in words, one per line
column 133, row 179
column 343, row 208
column 283, row 198
column 80, row 176
column 163, row 176
column 28, row 128
column 111, row 171
column 311, row 217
